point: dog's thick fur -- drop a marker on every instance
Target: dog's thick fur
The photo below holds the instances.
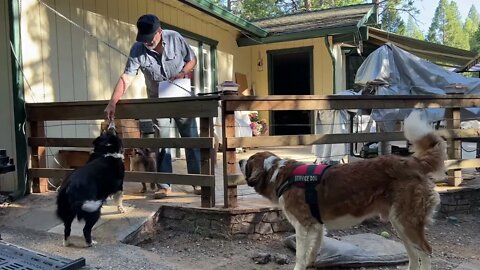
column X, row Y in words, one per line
column 82, row 194
column 144, row 160
column 399, row 189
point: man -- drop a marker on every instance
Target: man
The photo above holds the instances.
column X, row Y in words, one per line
column 162, row 55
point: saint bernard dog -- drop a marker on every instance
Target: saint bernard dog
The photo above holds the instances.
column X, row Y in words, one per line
column 400, row 189
column 83, row 193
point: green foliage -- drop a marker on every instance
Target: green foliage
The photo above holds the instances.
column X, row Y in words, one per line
column 475, row 40
column 254, row 9
column 435, row 32
column 334, row 3
column 446, row 27
column 454, row 34
column 259, row 9
column 390, row 17
column 472, row 25
column 412, row 30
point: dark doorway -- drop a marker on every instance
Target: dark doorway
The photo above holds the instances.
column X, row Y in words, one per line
column 291, row 73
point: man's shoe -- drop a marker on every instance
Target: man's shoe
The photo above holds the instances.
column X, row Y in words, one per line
column 161, row 193
column 197, row 190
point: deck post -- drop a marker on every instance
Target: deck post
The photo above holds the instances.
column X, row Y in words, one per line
column 229, row 157
column 207, row 161
column 454, row 147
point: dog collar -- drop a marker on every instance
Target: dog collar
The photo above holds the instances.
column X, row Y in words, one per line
column 114, row 155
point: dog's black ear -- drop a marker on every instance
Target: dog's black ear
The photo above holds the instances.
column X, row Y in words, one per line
column 96, row 141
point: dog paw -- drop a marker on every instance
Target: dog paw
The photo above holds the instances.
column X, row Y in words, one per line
column 120, row 209
column 93, row 243
column 66, row 243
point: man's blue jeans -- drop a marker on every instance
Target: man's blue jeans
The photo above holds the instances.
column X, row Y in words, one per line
column 187, row 127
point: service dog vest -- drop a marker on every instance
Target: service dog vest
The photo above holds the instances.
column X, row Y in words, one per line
column 307, row 177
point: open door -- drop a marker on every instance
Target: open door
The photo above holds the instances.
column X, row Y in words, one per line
column 290, row 72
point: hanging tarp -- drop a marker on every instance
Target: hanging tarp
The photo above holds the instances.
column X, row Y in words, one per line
column 397, row 72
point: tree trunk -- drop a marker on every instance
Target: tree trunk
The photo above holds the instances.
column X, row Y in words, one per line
column 307, row 4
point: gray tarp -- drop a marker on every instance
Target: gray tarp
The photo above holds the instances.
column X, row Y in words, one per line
column 398, row 72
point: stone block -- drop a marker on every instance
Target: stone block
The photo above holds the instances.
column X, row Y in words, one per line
column 263, row 228
column 271, row 217
column 203, row 222
column 172, row 213
column 243, row 228
column 282, row 226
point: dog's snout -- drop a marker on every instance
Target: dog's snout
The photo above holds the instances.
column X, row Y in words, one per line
column 112, row 130
column 241, row 162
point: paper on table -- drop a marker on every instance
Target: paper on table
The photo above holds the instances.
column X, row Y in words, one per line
column 179, row 88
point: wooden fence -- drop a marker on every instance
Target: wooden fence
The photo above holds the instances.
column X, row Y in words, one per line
column 452, row 133
column 203, row 107
column 207, row 107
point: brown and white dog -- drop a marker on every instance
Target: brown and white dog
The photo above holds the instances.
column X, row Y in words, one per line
column 399, row 189
column 144, row 160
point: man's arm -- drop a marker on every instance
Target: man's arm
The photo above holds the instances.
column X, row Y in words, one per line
column 187, row 68
column 123, row 83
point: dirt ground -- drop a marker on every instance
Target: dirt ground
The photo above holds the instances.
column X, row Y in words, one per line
column 454, row 240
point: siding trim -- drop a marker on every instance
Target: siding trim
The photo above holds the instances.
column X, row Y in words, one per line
column 20, row 116
column 189, row 34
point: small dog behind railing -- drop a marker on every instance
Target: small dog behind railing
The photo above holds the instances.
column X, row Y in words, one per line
column 144, row 160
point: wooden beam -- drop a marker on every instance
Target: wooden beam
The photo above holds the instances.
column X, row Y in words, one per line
column 452, row 164
column 126, row 109
column 294, row 140
column 200, row 142
column 316, row 102
column 146, row 177
column 236, row 180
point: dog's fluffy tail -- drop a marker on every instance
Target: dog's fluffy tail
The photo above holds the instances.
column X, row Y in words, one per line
column 429, row 148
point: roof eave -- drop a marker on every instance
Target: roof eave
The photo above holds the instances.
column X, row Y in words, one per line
column 226, row 16
column 369, row 18
column 435, row 52
column 248, row 41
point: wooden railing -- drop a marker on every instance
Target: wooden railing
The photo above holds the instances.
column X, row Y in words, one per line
column 453, row 133
column 207, row 107
column 203, row 107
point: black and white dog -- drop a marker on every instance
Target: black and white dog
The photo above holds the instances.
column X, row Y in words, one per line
column 83, row 193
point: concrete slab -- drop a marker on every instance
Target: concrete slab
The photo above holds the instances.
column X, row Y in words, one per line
column 108, row 214
column 473, row 265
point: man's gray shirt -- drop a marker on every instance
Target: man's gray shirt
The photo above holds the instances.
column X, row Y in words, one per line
column 155, row 67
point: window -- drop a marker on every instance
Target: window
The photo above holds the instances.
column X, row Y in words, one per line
column 203, row 75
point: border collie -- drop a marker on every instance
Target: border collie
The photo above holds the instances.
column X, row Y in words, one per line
column 83, row 192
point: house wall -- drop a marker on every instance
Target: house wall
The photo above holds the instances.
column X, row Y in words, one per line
column 7, row 132
column 322, row 65
column 64, row 63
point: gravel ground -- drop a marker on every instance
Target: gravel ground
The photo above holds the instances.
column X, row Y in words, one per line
column 454, row 241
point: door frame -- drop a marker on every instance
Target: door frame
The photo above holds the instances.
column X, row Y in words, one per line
column 270, row 55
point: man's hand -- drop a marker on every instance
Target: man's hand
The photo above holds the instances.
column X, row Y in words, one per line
column 180, row 75
column 110, row 111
